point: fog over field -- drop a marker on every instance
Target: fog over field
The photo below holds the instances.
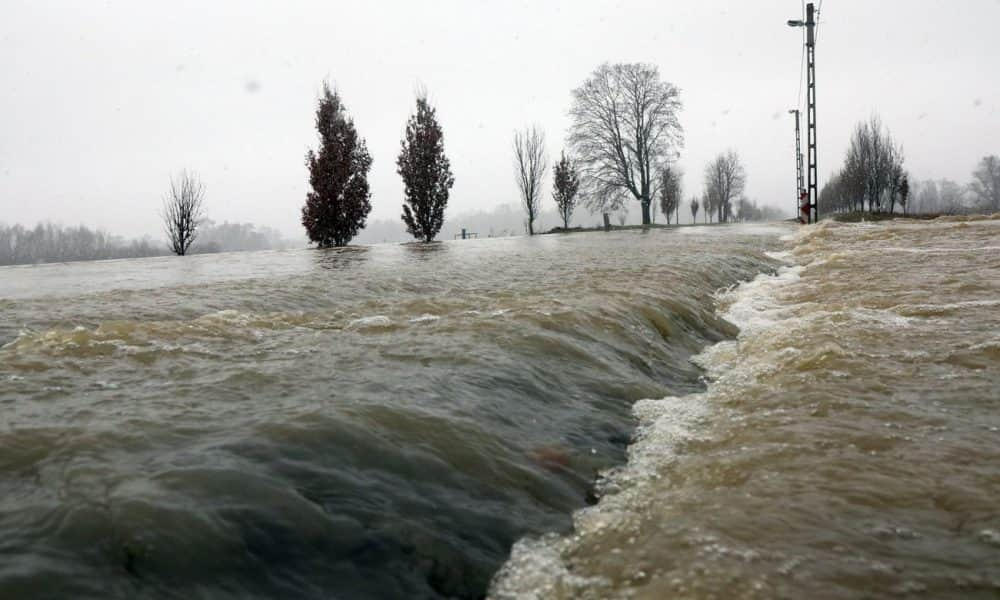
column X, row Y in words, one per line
column 102, row 102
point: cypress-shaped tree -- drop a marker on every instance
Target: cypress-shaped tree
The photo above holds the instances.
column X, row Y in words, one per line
column 565, row 185
column 339, row 203
column 426, row 173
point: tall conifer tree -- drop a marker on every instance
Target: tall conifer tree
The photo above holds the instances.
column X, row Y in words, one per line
column 426, row 173
column 340, row 200
column 565, row 185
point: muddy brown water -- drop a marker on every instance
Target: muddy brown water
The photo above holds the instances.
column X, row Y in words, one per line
column 847, row 445
column 380, row 422
column 705, row 412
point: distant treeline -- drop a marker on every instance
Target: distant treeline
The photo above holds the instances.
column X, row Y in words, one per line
column 502, row 221
column 622, row 149
column 237, row 237
column 48, row 242
column 873, row 179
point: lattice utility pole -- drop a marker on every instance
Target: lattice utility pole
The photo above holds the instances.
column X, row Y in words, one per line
column 811, row 170
column 801, row 196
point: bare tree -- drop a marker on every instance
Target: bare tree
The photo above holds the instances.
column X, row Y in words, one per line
column 725, row 180
column 694, row 210
column 986, row 184
column 182, row 211
column 706, row 208
column 904, row 191
column 624, row 128
column 530, row 164
column 873, row 168
column 951, row 196
column 928, row 199
column 670, row 190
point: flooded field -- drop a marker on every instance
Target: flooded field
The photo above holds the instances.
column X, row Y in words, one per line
column 366, row 423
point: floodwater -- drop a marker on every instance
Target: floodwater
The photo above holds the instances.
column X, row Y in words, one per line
column 387, row 422
column 847, row 444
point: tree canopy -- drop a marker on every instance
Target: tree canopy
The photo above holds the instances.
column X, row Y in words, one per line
column 339, row 203
column 426, row 173
column 625, row 127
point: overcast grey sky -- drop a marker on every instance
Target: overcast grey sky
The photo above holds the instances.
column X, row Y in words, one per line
column 101, row 101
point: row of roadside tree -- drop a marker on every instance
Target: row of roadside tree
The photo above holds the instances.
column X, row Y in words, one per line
column 624, row 140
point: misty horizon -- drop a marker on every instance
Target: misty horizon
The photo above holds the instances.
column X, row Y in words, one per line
column 103, row 105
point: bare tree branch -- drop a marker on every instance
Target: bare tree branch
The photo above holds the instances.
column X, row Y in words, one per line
column 725, row 180
column 625, row 128
column 530, row 164
column 182, row 211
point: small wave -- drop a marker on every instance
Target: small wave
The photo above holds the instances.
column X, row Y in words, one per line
column 372, row 322
column 425, row 318
column 942, row 250
column 933, row 310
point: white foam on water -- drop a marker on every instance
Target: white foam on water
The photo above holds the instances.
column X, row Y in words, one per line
column 425, row 318
column 784, row 256
column 754, row 305
column 373, row 321
column 536, row 567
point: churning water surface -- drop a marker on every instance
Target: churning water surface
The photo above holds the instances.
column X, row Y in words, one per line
column 768, row 412
column 847, row 446
column 371, row 422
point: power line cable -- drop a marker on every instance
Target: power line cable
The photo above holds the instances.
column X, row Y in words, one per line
column 819, row 13
column 802, row 62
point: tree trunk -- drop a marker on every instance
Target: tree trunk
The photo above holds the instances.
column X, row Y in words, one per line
column 646, row 220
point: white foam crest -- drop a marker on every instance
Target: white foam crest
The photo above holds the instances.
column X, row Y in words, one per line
column 882, row 317
column 536, row 571
column 753, row 305
column 784, row 256
column 370, row 322
column 425, row 318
